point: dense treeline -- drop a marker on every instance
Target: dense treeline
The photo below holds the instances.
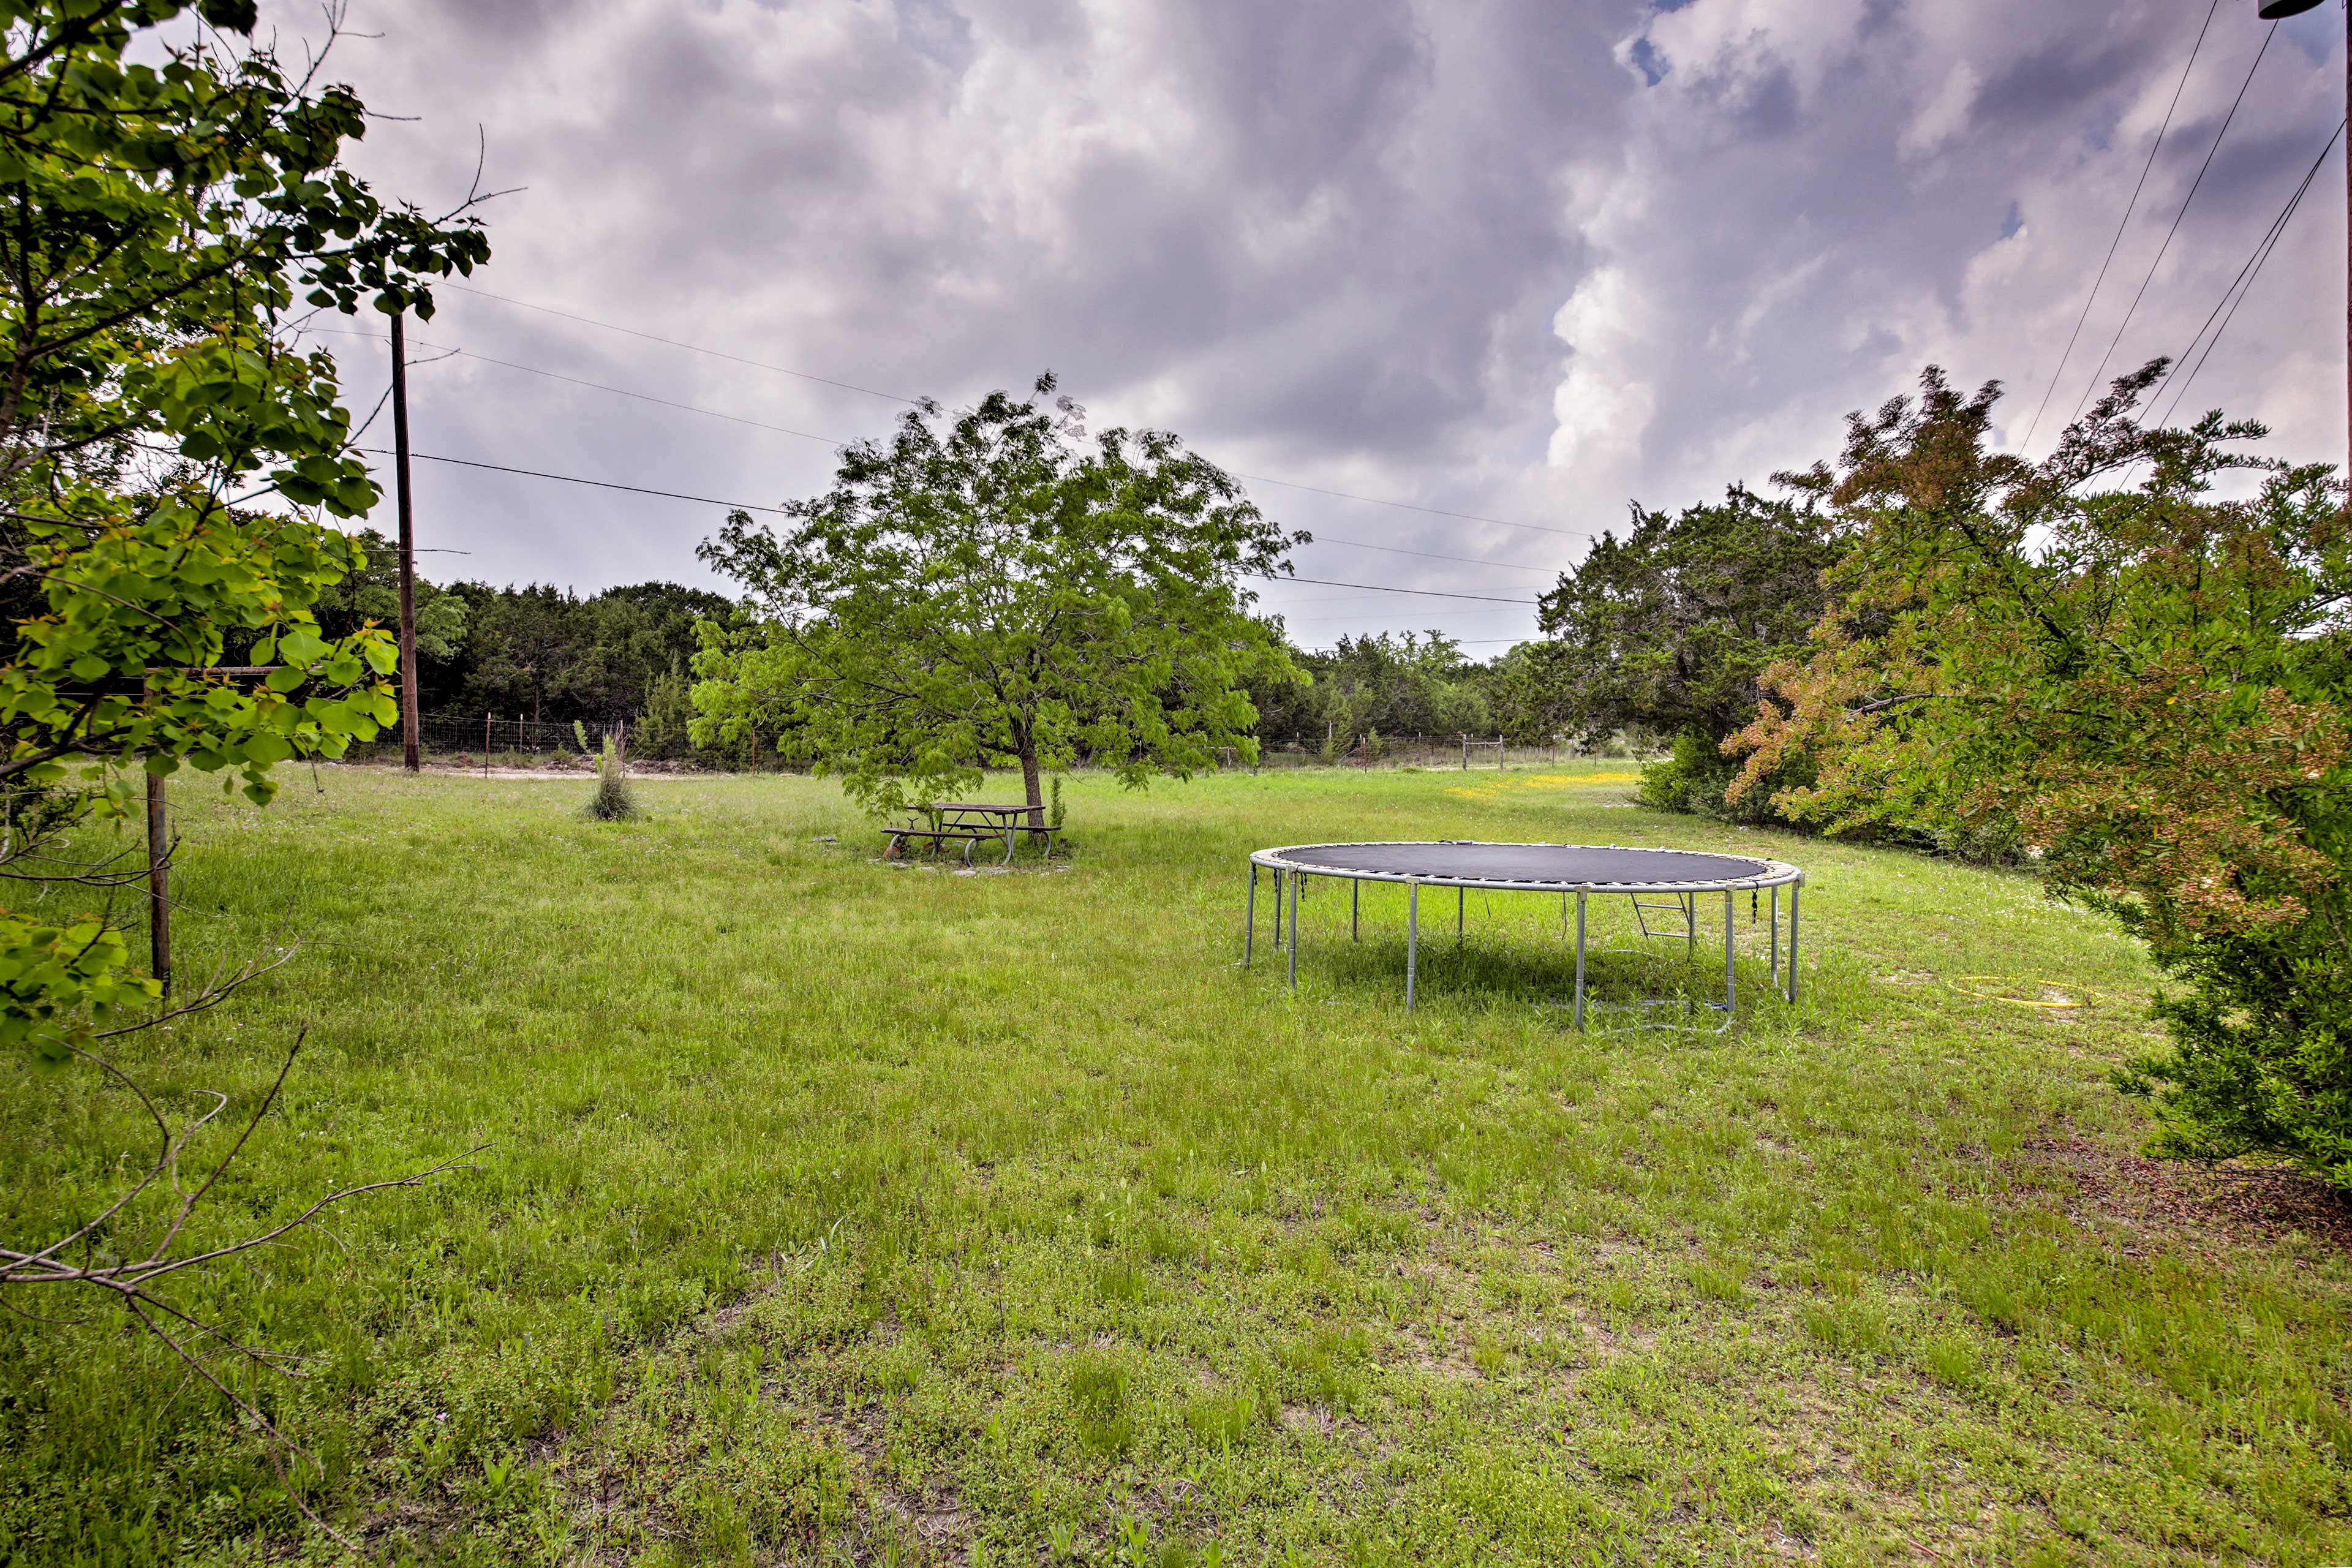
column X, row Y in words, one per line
column 546, row 654
column 1384, row 685
column 1662, row 634
column 537, row 652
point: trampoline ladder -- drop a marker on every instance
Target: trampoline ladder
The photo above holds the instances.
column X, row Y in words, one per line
column 1683, row 908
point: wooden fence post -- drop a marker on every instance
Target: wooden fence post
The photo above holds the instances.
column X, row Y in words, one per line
column 159, row 884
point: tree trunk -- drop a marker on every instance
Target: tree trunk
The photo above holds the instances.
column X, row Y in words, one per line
column 1029, row 778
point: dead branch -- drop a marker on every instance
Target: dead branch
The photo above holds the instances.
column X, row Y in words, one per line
column 133, row 1283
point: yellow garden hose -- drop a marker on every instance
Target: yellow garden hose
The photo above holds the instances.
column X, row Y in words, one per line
column 2083, row 993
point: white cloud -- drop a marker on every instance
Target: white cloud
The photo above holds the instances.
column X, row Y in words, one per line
column 1465, row 256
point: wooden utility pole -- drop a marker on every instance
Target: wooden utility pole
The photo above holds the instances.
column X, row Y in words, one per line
column 159, row 884
column 408, row 752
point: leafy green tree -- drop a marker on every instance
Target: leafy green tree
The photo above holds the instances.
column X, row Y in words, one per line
column 1667, row 630
column 369, row 594
column 169, row 461
column 542, row 652
column 1000, row 587
column 1400, row 684
column 165, row 451
column 664, row 731
column 2153, row 686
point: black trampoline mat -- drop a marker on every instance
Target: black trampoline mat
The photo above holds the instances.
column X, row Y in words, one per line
column 1568, row 864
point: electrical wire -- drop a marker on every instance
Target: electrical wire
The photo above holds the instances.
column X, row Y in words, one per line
column 575, row 480
column 762, row 424
column 1427, row 555
column 676, row 343
column 598, row 386
column 2252, row 274
column 747, row 505
column 2246, row 275
column 2177, row 217
column 2129, row 207
column 896, row 397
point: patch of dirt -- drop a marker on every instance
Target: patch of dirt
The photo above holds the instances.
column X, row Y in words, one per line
column 2247, row 1204
column 1307, row 1418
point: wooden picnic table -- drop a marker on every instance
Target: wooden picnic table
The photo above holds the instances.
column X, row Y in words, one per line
column 968, row 822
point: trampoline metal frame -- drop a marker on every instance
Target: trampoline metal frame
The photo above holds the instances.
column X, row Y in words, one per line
column 1776, row 876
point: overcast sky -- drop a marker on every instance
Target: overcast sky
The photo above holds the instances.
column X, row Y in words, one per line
column 1519, row 259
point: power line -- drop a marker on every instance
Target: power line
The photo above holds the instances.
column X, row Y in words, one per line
column 601, row 386
column 762, row 424
column 1426, row 555
column 577, row 480
column 747, row 506
column 673, row 342
column 1408, row 506
column 895, row 397
column 2250, row 272
column 2177, row 217
column 2129, row 207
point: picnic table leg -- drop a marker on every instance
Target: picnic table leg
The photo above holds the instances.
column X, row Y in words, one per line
column 1011, row 839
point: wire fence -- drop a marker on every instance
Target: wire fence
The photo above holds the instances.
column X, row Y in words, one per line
column 517, row 741
column 1459, row 751
column 513, row 740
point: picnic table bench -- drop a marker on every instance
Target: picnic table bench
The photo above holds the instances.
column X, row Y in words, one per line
column 942, row 823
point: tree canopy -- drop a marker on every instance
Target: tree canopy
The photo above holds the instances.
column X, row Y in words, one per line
column 2153, row 684
column 1384, row 683
column 168, row 456
column 999, row 587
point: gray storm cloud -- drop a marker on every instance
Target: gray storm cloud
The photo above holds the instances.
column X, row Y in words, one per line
column 1518, row 260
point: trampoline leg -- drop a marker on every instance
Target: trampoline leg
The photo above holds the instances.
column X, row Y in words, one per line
column 1690, row 925
column 1249, row 917
column 1411, row 937
column 1278, row 910
column 1295, row 879
column 1461, row 908
column 1775, row 938
column 1580, row 961
column 1730, row 996
column 1794, row 888
column 1355, row 909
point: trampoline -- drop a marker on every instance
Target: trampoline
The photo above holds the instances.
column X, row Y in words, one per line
column 1671, row 881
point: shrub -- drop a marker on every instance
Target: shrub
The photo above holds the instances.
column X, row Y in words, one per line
column 613, row 799
column 2148, row 688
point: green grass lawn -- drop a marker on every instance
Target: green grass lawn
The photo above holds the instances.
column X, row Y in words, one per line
column 839, row 1211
